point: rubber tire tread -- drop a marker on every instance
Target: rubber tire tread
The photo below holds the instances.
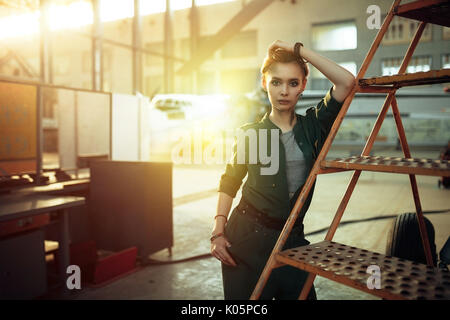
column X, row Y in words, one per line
column 404, row 239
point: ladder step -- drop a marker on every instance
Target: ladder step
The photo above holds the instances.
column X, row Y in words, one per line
column 430, row 11
column 400, row 278
column 409, row 79
column 427, row 167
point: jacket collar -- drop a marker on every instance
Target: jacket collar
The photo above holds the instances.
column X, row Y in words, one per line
column 267, row 123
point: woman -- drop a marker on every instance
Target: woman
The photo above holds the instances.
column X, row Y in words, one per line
column 244, row 243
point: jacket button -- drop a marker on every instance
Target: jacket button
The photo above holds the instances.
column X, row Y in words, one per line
column 243, row 211
column 273, row 185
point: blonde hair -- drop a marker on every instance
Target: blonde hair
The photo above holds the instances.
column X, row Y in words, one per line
column 281, row 55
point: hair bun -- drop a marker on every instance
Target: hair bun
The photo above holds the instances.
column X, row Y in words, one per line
column 282, row 55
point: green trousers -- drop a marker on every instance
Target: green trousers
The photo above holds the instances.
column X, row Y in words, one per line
column 251, row 246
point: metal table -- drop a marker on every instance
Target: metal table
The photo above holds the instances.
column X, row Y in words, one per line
column 22, row 206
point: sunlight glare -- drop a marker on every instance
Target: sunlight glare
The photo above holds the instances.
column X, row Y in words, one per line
column 79, row 13
column 73, row 15
column 19, row 25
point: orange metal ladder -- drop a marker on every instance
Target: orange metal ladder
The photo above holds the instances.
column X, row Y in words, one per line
column 402, row 279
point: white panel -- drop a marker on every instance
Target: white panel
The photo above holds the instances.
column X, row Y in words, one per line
column 93, row 123
column 125, row 127
column 145, row 134
column 66, row 128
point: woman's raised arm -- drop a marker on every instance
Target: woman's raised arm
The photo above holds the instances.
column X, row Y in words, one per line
column 342, row 79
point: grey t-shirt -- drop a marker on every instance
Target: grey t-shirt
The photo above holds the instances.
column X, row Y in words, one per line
column 295, row 162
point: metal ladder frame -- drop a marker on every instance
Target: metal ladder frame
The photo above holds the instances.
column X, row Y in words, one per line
column 390, row 100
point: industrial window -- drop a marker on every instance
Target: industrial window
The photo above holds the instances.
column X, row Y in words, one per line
column 183, row 48
column 50, row 99
column 445, row 33
column 61, row 65
column 402, row 30
column 238, row 81
column 350, row 66
column 334, row 36
column 446, row 61
column 391, row 66
column 156, row 6
column 152, row 59
column 106, row 84
column 241, row 45
column 87, row 62
column 106, row 59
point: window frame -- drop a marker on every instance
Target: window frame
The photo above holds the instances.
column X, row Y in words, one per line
column 314, row 42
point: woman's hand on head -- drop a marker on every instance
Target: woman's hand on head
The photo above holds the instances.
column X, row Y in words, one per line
column 282, row 45
column 219, row 251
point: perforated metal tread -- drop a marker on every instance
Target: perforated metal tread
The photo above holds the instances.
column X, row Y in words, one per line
column 409, row 79
column 428, row 167
column 430, row 11
column 400, row 279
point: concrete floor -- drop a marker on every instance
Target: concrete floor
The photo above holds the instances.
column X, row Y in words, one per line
column 195, row 197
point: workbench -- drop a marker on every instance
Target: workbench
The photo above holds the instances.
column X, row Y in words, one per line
column 20, row 210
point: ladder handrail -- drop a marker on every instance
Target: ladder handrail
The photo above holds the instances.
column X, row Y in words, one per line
column 272, row 261
column 313, row 174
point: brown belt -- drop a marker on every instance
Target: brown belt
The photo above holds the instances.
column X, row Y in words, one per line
column 244, row 208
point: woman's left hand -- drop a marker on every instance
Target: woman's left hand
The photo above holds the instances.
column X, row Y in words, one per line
column 281, row 44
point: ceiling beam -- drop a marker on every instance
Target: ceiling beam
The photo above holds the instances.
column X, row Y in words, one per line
column 207, row 48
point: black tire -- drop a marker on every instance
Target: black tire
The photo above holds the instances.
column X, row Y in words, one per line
column 446, row 182
column 404, row 239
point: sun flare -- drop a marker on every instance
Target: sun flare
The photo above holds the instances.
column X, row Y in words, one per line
column 79, row 13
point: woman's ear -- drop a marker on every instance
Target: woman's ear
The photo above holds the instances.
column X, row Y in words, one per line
column 302, row 87
column 305, row 80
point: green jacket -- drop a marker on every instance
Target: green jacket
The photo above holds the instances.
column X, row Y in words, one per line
column 269, row 193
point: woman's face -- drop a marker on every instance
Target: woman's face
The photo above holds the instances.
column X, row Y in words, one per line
column 284, row 82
